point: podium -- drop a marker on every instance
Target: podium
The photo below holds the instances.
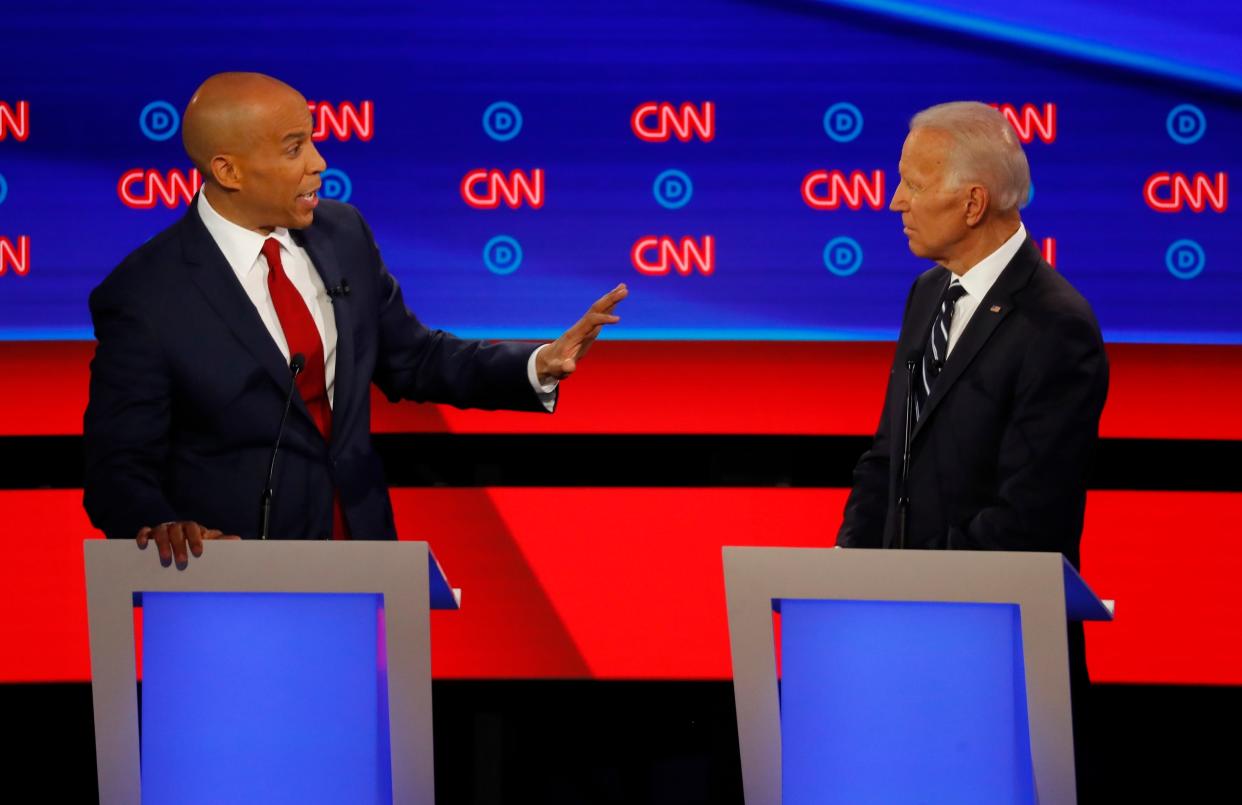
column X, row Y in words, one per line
column 905, row 676
column 279, row 671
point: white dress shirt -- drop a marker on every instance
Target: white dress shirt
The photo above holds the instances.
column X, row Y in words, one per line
column 243, row 249
column 978, row 280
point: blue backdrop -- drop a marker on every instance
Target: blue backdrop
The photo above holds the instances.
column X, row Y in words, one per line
column 1138, row 89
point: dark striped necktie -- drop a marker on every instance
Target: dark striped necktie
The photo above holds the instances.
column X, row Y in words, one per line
column 937, row 348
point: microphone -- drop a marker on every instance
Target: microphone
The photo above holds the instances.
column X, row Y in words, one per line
column 265, row 501
column 339, row 291
column 903, row 496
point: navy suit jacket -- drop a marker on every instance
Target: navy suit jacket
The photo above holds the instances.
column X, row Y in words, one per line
column 187, row 388
column 999, row 457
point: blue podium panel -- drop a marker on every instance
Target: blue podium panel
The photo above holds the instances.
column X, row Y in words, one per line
column 903, row 702
column 264, row 698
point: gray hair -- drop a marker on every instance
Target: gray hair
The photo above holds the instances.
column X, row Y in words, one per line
column 985, row 150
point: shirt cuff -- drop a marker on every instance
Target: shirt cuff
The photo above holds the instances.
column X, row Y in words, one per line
column 546, row 392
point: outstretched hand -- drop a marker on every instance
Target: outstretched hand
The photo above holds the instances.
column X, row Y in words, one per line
column 561, row 357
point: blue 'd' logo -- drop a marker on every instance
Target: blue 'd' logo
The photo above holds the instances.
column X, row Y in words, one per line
column 159, row 121
column 673, row 189
column 502, row 121
column 843, row 122
column 1185, row 259
column 502, row 255
column 1186, row 124
column 4, row 189
column 336, row 185
column 843, row 256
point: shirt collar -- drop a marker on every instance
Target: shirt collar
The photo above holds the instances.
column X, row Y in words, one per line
column 979, row 278
column 241, row 246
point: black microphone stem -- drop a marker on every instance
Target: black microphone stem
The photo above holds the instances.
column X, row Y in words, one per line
column 265, row 501
column 903, row 498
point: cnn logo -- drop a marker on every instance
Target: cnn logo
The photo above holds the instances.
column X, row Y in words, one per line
column 656, row 122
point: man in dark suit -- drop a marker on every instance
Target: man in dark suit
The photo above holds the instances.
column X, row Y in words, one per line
column 198, row 327
column 1010, row 390
column 1009, row 371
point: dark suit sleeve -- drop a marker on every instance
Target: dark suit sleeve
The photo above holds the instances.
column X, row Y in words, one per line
column 418, row 363
column 1046, row 445
column 125, row 430
column 866, row 509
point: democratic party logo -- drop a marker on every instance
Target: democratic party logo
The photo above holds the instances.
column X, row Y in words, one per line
column 828, row 190
column 485, row 189
column 335, row 185
column 1185, row 259
column 1172, row 192
column 843, row 256
column 660, row 121
column 1031, row 121
column 502, row 255
column 673, row 189
column 15, row 120
column 502, row 121
column 343, row 121
column 1186, row 124
column 657, row 256
column 159, row 121
column 843, row 122
column 15, row 255
column 144, row 188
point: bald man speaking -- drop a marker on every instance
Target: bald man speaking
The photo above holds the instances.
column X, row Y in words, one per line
column 261, row 293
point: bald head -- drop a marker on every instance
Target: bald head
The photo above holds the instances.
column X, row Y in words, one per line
column 226, row 113
column 250, row 136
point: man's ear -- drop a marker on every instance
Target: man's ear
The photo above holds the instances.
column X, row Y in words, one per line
column 226, row 172
column 977, row 202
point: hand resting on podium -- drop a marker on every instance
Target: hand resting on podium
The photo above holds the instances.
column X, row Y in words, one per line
column 173, row 538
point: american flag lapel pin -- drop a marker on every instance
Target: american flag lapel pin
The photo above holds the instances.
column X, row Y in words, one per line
column 996, row 308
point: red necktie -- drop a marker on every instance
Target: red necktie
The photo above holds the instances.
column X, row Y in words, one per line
column 302, row 336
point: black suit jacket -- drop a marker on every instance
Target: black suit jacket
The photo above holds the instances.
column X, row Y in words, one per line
column 999, row 457
column 187, row 388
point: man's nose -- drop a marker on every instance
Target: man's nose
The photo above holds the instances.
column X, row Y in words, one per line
column 317, row 163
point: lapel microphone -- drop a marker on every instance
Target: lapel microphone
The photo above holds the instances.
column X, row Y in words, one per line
column 339, row 291
column 265, row 501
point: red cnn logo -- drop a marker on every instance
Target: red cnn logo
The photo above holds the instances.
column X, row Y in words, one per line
column 483, row 189
column 657, row 256
column 658, row 122
column 16, row 121
column 343, row 121
column 1048, row 248
column 1030, row 120
column 1198, row 191
column 17, row 257
column 141, row 189
column 851, row 190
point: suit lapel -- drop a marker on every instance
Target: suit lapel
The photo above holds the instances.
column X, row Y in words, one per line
column 995, row 306
column 324, row 258
column 922, row 312
column 215, row 279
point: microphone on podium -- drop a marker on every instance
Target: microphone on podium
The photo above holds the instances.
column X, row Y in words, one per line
column 265, row 501
column 903, row 497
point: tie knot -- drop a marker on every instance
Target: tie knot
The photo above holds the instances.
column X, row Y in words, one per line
column 954, row 292
column 271, row 250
